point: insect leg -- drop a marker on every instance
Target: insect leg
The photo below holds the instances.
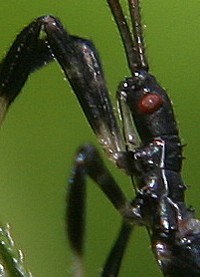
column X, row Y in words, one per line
column 28, row 53
column 113, row 262
column 89, row 163
column 41, row 41
column 80, row 62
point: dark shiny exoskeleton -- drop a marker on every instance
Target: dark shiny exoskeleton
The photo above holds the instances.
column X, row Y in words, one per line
column 159, row 202
column 146, row 113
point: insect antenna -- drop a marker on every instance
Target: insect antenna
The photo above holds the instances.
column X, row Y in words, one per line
column 133, row 40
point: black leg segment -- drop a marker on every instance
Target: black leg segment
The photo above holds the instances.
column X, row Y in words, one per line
column 89, row 163
column 113, row 262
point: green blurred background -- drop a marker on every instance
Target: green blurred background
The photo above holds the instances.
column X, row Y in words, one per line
column 45, row 125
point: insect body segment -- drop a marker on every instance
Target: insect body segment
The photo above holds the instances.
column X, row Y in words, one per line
column 157, row 163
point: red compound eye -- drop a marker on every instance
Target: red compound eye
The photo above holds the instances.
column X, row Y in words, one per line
column 150, row 103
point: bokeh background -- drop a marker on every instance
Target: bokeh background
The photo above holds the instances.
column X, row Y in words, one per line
column 45, row 125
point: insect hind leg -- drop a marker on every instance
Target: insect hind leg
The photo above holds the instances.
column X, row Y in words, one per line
column 89, row 163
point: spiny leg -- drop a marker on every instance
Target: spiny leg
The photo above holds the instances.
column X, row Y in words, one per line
column 80, row 61
column 89, row 163
column 41, row 41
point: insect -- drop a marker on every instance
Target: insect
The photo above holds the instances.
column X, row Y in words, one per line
column 155, row 164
